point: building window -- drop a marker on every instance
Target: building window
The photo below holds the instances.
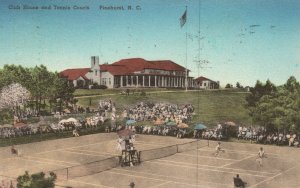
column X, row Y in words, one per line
column 204, row 84
column 109, row 81
column 95, row 73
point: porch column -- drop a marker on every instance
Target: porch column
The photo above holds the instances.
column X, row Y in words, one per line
column 121, row 82
column 143, row 81
column 149, row 84
column 131, row 80
column 126, row 80
column 137, row 81
column 155, row 81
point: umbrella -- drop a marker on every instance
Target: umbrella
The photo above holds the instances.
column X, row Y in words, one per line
column 130, row 121
column 63, row 121
column 125, row 132
column 171, row 123
column 158, row 122
column 72, row 120
column 230, row 123
column 17, row 125
column 182, row 125
column 200, row 126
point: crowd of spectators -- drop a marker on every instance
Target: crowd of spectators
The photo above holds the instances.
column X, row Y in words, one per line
column 262, row 136
column 163, row 111
column 162, row 130
column 149, row 113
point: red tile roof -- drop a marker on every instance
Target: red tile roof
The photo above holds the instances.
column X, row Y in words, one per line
column 125, row 67
column 167, row 65
column 73, row 74
column 202, row 78
column 135, row 64
column 139, row 64
column 115, row 69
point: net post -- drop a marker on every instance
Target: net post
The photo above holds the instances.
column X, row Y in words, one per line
column 67, row 173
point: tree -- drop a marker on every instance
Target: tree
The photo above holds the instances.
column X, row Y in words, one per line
column 228, row 86
column 15, row 74
column 276, row 108
column 238, row 85
column 36, row 180
column 14, row 96
column 258, row 91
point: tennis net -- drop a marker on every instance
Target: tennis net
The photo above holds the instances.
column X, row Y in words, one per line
column 158, row 153
column 87, row 168
column 113, row 162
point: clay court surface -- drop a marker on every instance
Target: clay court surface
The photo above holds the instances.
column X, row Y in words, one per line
column 194, row 168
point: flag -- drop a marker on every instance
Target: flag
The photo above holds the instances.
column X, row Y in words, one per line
column 183, row 19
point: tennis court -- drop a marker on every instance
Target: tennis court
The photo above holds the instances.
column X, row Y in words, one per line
column 192, row 164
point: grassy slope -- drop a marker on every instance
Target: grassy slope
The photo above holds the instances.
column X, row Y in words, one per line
column 210, row 106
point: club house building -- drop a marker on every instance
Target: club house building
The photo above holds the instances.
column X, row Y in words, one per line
column 135, row 72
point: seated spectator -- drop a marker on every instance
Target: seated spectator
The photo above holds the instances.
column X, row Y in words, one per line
column 238, row 182
column 75, row 133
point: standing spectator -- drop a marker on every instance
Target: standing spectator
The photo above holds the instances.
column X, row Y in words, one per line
column 238, row 182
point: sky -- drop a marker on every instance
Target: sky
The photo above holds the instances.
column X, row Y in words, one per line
column 242, row 40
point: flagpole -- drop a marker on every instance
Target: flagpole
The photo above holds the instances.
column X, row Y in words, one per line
column 197, row 171
column 186, row 71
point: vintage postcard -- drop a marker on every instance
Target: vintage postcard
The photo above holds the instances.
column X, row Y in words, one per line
column 149, row 93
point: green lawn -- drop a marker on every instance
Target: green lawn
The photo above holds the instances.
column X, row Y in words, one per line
column 211, row 107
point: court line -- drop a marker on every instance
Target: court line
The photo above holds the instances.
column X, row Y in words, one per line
column 167, row 182
column 152, row 143
column 74, row 151
column 35, row 166
column 189, row 164
column 217, row 167
column 61, row 149
column 155, row 179
column 272, row 177
column 97, row 185
column 214, row 170
column 207, row 157
column 51, row 160
column 43, row 162
column 91, row 151
column 237, row 151
column 100, row 153
column 251, row 155
column 154, row 174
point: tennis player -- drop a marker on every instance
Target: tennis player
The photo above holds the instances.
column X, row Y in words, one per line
column 218, row 149
column 261, row 154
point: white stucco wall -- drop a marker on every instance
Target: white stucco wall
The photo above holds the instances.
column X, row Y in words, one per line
column 75, row 81
column 107, row 79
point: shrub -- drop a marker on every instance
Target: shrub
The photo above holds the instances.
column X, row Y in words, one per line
column 96, row 86
column 37, row 180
